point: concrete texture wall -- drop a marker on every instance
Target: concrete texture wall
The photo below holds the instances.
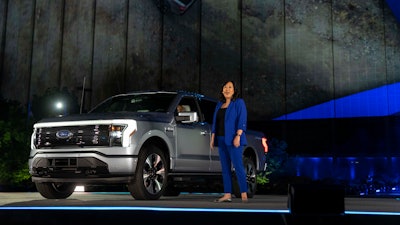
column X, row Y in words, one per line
column 285, row 55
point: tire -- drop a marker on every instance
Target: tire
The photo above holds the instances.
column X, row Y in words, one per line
column 55, row 190
column 151, row 175
column 251, row 173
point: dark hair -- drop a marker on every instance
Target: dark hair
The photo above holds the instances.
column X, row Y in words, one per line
column 235, row 94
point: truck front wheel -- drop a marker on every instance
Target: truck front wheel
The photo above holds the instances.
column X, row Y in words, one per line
column 55, row 190
column 151, row 175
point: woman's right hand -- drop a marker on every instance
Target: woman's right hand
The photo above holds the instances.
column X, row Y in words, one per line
column 212, row 141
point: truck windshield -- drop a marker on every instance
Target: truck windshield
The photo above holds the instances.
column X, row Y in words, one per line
column 145, row 102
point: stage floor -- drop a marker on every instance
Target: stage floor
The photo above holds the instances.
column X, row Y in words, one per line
column 120, row 208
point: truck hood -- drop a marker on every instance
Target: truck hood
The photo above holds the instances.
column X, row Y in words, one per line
column 153, row 116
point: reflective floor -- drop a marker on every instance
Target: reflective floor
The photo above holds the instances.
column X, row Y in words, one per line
column 121, row 208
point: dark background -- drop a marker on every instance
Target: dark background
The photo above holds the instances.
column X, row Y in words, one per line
column 286, row 56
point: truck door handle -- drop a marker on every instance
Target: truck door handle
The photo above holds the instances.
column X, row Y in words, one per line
column 170, row 129
column 204, row 133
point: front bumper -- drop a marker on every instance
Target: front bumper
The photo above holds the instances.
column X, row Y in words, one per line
column 82, row 167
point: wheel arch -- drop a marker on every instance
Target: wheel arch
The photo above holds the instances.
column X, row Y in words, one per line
column 250, row 153
column 159, row 143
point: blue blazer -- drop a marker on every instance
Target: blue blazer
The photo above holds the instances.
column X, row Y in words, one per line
column 235, row 118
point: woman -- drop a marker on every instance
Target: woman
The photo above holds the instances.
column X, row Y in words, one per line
column 229, row 125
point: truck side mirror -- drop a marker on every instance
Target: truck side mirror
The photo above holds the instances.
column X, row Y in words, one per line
column 187, row 117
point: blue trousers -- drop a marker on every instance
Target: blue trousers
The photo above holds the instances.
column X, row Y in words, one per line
column 229, row 155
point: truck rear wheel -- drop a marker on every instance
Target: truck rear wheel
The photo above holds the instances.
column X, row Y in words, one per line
column 55, row 190
column 250, row 169
column 151, row 175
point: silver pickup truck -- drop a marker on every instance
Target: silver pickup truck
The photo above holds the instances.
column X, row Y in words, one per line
column 140, row 140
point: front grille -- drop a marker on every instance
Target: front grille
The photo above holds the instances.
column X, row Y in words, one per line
column 67, row 167
column 90, row 135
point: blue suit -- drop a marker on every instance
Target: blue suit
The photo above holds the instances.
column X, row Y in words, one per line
column 235, row 119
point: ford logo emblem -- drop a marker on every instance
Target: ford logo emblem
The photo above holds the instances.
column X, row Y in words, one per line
column 64, row 134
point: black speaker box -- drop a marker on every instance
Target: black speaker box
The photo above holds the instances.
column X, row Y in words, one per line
column 316, row 199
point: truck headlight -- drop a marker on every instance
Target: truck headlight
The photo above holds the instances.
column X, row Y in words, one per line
column 115, row 134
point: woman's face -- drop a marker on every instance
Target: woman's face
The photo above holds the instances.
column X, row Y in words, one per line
column 228, row 90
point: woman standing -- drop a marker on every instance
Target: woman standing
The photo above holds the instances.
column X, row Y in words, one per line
column 229, row 125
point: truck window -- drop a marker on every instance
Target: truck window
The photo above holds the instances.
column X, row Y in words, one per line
column 207, row 109
column 188, row 104
column 136, row 103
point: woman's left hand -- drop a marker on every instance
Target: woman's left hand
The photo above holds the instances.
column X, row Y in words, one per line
column 236, row 141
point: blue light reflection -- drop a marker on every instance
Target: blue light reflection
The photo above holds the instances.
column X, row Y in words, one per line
column 381, row 101
column 124, row 208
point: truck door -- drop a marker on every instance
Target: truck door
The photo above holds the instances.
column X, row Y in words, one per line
column 207, row 107
column 192, row 141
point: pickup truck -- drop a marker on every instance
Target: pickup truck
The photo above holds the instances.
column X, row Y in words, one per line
column 140, row 140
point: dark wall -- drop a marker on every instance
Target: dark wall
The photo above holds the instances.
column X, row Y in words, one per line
column 286, row 55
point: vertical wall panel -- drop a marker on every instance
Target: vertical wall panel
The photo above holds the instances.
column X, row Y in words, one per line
column 18, row 50
column 144, row 46
column 109, row 49
column 392, row 47
column 77, row 51
column 358, row 46
column 263, row 58
column 181, row 50
column 359, row 65
column 309, row 75
column 47, row 42
column 3, row 19
column 220, row 44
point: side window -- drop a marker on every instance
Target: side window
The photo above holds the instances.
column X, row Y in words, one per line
column 188, row 104
column 207, row 109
